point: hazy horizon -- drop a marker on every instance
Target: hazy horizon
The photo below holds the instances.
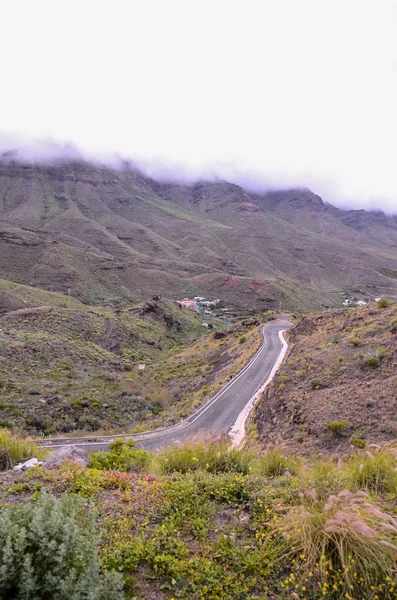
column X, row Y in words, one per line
column 268, row 95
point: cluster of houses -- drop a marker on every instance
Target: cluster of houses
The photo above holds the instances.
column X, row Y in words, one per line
column 353, row 302
column 349, row 301
column 199, row 304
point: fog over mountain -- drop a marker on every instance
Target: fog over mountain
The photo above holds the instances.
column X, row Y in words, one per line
column 106, row 230
column 48, row 151
column 270, row 95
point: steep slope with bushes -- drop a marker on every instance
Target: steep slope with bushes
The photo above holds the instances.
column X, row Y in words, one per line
column 62, row 362
column 338, row 385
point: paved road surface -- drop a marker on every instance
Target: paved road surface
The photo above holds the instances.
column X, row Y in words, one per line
column 221, row 412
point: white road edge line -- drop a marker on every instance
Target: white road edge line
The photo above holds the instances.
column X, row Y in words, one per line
column 237, row 432
column 189, row 420
column 233, row 381
column 51, row 443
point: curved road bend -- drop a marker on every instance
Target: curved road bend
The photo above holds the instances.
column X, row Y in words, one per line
column 219, row 414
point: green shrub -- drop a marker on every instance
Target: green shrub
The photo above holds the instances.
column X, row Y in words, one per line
column 274, row 463
column 14, row 449
column 50, row 549
column 382, row 352
column 227, row 488
column 138, row 429
column 358, row 442
column 187, row 505
column 316, row 383
column 252, row 430
column 85, row 482
column 337, row 427
column 371, row 361
column 33, row 392
column 122, row 456
column 374, row 470
column 213, row 456
column 355, row 341
column 393, row 322
column 383, row 303
column 242, row 339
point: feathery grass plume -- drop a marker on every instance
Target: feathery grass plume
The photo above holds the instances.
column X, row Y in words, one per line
column 14, row 449
column 344, row 534
column 275, row 463
column 374, row 469
column 200, row 452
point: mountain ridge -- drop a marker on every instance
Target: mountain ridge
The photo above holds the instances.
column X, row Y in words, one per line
column 117, row 233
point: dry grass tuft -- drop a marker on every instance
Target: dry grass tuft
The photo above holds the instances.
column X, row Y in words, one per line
column 345, row 533
column 374, row 469
column 275, row 463
column 200, row 452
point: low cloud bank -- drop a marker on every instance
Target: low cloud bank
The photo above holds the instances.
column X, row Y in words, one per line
column 48, row 151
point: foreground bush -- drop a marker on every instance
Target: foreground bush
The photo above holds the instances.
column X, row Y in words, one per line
column 50, row 549
column 213, row 456
column 14, row 449
column 122, row 456
column 347, row 540
column 216, row 536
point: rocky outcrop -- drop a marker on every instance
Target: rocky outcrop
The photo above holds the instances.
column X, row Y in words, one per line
column 57, row 456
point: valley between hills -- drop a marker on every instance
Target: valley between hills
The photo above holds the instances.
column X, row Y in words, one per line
column 93, row 342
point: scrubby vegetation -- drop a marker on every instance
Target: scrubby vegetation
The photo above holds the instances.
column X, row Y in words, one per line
column 340, row 368
column 122, row 456
column 69, row 368
column 337, row 427
column 383, row 303
column 203, row 521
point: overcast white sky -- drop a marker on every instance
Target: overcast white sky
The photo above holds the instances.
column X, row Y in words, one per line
column 279, row 92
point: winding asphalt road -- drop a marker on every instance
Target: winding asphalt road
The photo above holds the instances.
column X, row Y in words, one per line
column 220, row 413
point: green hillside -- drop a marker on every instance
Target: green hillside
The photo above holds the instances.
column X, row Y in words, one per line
column 66, row 367
column 118, row 236
column 62, row 362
